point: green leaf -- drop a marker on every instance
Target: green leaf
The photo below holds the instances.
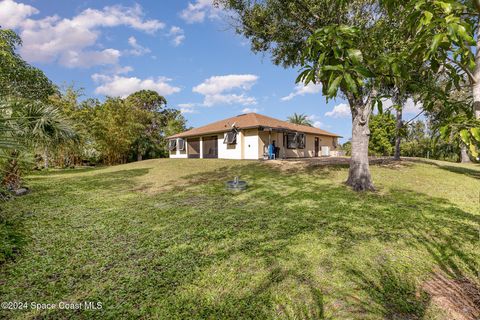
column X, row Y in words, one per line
column 465, row 136
column 475, row 133
column 427, row 17
column 436, row 41
column 337, row 67
column 447, row 7
column 380, row 106
column 333, row 86
column 321, row 59
column 352, row 86
column 355, row 55
column 419, row 4
column 445, row 132
column 473, row 150
column 363, row 71
column 301, row 77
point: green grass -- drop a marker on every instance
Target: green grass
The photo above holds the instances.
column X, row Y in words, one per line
column 163, row 239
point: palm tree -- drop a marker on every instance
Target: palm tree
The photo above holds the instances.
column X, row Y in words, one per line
column 31, row 125
column 301, row 119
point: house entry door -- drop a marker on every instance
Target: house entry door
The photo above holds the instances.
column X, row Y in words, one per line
column 317, row 146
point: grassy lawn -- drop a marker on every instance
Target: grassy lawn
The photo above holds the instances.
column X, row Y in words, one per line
column 163, row 239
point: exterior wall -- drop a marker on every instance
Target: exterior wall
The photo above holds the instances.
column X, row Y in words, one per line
column 309, row 150
column 265, row 138
column 233, row 151
column 250, row 144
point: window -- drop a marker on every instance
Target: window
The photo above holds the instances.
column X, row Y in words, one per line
column 230, row 138
column 172, row 144
column 295, row 140
column 181, row 144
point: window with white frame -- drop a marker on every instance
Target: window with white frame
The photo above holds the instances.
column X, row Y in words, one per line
column 181, row 144
column 172, row 144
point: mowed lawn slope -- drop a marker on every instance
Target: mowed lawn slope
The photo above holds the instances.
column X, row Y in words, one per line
column 164, row 239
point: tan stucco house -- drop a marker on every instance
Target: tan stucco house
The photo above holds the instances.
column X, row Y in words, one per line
column 247, row 136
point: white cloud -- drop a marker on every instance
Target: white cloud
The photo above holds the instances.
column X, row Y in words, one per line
column 301, row 89
column 219, row 84
column 249, row 110
column 187, row 108
column 410, row 106
column 121, row 70
column 177, row 34
column 119, row 86
column 87, row 59
column 71, row 41
column 12, row 14
column 216, row 99
column 217, row 89
column 316, row 121
column 137, row 49
column 341, row 110
column 199, row 10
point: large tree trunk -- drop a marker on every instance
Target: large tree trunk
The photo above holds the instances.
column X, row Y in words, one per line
column 464, row 158
column 359, row 177
column 398, row 129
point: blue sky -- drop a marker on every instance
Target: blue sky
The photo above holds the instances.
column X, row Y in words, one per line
column 185, row 50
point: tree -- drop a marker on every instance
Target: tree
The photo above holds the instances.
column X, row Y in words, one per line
column 382, row 134
column 446, row 33
column 18, row 78
column 147, row 100
column 301, row 119
column 34, row 125
column 148, row 105
column 115, row 126
column 344, row 45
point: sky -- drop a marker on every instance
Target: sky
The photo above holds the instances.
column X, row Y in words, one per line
column 187, row 51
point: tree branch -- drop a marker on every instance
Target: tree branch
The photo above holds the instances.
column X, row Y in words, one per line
column 467, row 71
column 418, row 115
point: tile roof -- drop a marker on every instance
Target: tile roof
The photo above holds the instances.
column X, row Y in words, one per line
column 250, row 120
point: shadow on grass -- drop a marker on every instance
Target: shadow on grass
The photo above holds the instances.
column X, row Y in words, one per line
column 470, row 172
column 159, row 248
column 391, row 293
column 466, row 171
column 59, row 172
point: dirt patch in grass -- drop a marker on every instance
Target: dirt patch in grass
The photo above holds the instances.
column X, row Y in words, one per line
column 459, row 298
column 310, row 163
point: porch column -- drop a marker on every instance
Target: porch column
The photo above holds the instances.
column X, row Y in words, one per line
column 201, row 147
column 178, row 149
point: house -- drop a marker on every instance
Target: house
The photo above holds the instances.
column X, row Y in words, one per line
column 247, row 136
